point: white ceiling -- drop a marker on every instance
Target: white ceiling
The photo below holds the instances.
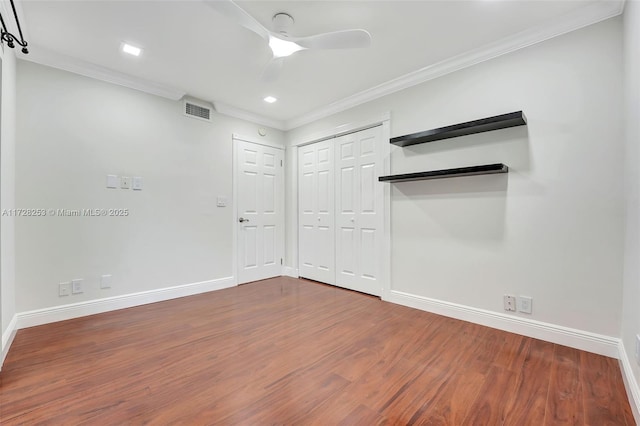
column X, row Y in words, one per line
column 191, row 48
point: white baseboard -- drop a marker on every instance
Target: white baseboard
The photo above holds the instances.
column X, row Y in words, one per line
column 91, row 307
column 7, row 339
column 579, row 339
column 630, row 382
column 288, row 271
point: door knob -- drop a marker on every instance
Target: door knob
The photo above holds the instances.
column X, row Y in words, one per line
column 243, row 220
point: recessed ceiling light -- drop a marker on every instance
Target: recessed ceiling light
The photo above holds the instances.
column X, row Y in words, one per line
column 131, row 50
column 270, row 99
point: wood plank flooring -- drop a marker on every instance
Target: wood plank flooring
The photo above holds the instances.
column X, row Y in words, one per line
column 287, row 351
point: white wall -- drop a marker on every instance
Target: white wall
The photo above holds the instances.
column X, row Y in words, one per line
column 552, row 228
column 631, row 290
column 72, row 132
column 7, row 198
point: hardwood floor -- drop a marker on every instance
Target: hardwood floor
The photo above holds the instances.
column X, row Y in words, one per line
column 287, row 351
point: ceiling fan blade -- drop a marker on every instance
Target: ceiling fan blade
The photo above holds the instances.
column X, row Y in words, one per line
column 346, row 39
column 231, row 10
column 273, row 69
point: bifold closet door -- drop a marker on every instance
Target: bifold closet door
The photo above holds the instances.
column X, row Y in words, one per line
column 316, row 215
column 359, row 211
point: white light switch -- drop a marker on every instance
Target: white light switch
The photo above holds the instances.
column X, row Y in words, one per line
column 125, row 182
column 76, row 286
column 105, row 281
column 112, row 181
column 137, row 183
column 64, row 289
column 222, row 201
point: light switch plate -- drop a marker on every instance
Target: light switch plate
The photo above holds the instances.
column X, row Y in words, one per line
column 112, row 181
column 105, row 281
column 76, row 286
column 64, row 289
column 125, row 182
column 525, row 304
column 222, row 201
column 137, row 183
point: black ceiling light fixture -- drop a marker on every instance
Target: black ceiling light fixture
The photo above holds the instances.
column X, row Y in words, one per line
column 9, row 38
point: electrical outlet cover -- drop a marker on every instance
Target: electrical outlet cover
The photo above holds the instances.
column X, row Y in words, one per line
column 509, row 302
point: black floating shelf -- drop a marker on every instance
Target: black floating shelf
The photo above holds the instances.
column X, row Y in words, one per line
column 485, row 169
column 503, row 121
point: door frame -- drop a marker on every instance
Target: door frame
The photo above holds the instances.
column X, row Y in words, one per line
column 235, row 138
column 384, row 157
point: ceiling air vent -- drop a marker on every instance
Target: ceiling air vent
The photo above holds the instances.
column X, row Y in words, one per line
column 199, row 110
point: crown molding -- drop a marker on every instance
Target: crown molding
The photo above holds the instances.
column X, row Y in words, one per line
column 596, row 12
column 56, row 60
column 77, row 66
column 87, row 69
column 232, row 111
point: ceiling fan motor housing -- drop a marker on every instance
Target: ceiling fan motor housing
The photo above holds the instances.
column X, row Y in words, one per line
column 282, row 22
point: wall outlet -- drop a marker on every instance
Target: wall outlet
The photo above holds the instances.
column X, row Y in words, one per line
column 525, row 304
column 105, row 281
column 638, row 348
column 509, row 303
column 64, row 289
column 76, row 286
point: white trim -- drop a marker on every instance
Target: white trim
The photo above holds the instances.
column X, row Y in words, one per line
column 579, row 339
column 97, row 306
column 265, row 142
column 293, row 223
column 288, row 271
column 386, row 206
column 87, row 69
column 234, row 210
column 630, row 382
column 596, row 12
column 343, row 129
column 7, row 339
column 242, row 114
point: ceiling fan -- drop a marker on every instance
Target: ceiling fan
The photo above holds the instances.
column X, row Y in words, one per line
column 281, row 43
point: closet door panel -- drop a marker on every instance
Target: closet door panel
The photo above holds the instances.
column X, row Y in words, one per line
column 359, row 209
column 316, row 195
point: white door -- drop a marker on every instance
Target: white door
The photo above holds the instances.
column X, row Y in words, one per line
column 359, row 211
column 260, row 210
column 316, row 212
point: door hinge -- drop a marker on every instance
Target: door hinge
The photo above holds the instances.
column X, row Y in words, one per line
column 280, row 163
column 281, row 261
